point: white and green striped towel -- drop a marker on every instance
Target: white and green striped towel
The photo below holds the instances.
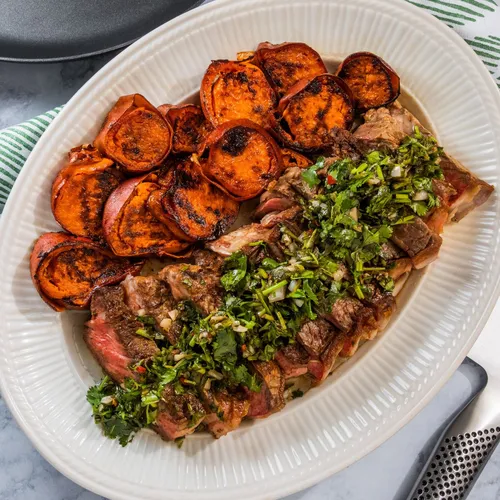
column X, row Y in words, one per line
column 477, row 21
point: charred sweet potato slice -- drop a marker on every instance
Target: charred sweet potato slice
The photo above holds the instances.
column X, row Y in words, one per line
column 200, row 209
column 129, row 226
column 372, row 81
column 81, row 189
column 243, row 159
column 66, row 269
column 156, row 207
column 135, row 135
column 189, row 125
column 287, row 63
column 231, row 90
column 292, row 158
column 311, row 110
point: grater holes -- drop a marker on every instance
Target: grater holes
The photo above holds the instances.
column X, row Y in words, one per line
column 455, row 464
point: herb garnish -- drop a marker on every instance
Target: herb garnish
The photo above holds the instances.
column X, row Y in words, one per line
column 339, row 253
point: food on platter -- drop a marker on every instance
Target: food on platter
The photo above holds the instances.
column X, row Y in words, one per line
column 310, row 110
column 231, row 90
column 242, row 159
column 81, row 189
column 372, row 81
column 189, row 126
column 344, row 194
column 286, row 64
column 135, row 135
column 67, row 269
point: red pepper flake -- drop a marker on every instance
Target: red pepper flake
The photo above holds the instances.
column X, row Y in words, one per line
column 331, row 180
column 140, row 369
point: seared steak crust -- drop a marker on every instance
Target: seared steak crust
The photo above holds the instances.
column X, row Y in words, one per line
column 111, row 334
column 178, row 414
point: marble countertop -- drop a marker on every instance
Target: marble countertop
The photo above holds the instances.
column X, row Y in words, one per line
column 27, row 90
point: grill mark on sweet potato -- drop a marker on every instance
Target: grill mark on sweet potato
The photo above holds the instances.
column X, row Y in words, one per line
column 287, row 63
column 202, row 211
column 135, row 135
column 372, row 81
column 309, row 113
column 233, row 89
column 235, row 141
column 131, row 228
column 80, row 190
column 189, row 125
column 66, row 269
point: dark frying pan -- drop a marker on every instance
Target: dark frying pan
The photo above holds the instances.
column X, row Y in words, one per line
column 52, row 30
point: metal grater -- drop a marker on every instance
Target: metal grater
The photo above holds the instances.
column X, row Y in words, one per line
column 471, row 439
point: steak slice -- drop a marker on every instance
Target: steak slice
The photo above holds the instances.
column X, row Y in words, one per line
column 244, row 236
column 270, row 399
column 412, row 237
column 272, row 205
column 386, row 127
column 383, row 304
column 366, row 328
column 286, row 216
column 315, row 336
column 344, row 312
column 397, row 260
column 290, row 186
column 178, row 414
column 343, row 144
column 147, row 295
column 224, row 411
column 293, row 360
column 111, row 334
column 199, row 283
column 320, row 368
column 418, row 241
column 240, row 238
column 470, row 191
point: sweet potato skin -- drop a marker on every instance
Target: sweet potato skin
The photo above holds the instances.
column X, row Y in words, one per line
column 200, row 209
column 287, row 63
column 372, row 81
column 189, row 125
column 231, row 90
column 135, row 135
column 80, row 191
column 311, row 110
column 243, row 159
column 67, row 269
column 130, row 229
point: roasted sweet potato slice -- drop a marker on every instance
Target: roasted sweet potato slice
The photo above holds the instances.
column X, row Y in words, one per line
column 156, row 207
column 129, row 226
column 292, row 158
column 66, row 269
column 287, row 63
column 311, row 110
column 189, row 125
column 81, row 189
column 200, row 209
column 372, row 81
column 135, row 135
column 243, row 159
column 232, row 89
